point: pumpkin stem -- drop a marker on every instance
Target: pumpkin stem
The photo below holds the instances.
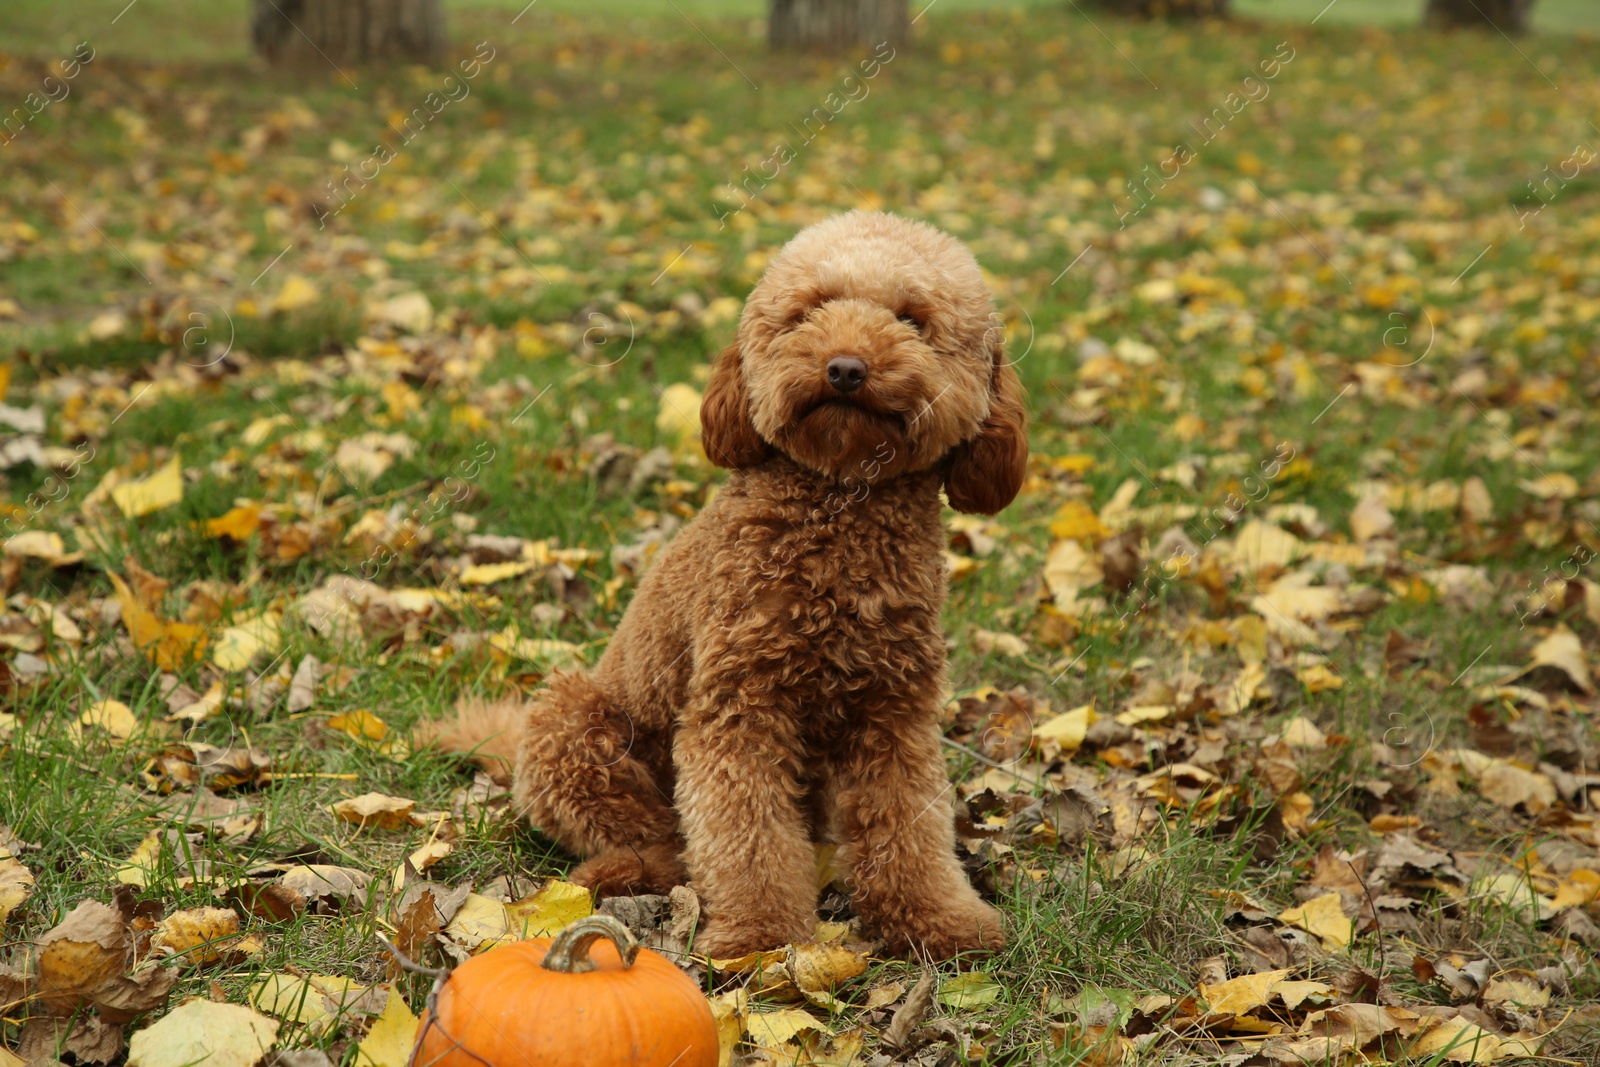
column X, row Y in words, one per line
column 569, row 952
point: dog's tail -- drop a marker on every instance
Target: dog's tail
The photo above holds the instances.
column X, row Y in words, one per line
column 487, row 730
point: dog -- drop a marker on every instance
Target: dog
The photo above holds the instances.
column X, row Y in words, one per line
column 777, row 678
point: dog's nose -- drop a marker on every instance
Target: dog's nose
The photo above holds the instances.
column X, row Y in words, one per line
column 846, row 373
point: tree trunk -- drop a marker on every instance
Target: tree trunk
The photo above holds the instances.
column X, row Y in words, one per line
column 837, row 26
column 1166, row 9
column 1510, row 16
column 347, row 31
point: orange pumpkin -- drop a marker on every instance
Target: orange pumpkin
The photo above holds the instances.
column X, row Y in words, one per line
column 591, row 997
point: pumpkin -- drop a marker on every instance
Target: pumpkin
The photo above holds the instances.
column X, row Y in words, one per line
column 590, row 997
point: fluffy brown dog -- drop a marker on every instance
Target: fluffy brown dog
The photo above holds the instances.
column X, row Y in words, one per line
column 778, row 675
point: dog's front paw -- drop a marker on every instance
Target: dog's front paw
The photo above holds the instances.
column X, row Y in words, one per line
column 940, row 933
column 730, row 938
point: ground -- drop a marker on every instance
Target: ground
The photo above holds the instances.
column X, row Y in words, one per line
column 1296, row 604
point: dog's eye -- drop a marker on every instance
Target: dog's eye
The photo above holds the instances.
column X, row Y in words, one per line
column 911, row 321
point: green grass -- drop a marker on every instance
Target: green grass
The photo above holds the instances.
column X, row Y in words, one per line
column 1382, row 177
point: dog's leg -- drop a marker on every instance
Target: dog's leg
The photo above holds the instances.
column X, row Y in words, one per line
column 589, row 776
column 893, row 807
column 739, row 795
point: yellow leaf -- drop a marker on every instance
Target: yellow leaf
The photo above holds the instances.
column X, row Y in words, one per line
column 729, row 1010
column 1077, row 521
column 678, row 414
column 203, row 1031
column 1259, row 545
column 238, row 523
column 369, row 731
column 196, row 934
column 550, row 910
column 172, row 645
column 377, row 809
column 112, row 716
column 296, row 293
column 1067, row 729
column 37, row 544
column 818, row 968
column 770, row 1029
column 480, row 920
column 1240, row 996
column 315, row 1001
column 489, row 573
column 204, row 708
column 1324, row 918
column 137, row 868
column 392, row 1037
column 239, row 645
column 16, row 885
column 161, row 489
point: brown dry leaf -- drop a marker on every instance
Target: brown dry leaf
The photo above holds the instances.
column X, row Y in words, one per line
column 201, row 709
column 203, row 1031
column 303, row 686
column 378, row 809
column 85, row 961
column 991, row 641
column 172, row 645
column 1512, row 786
column 331, row 885
column 1371, row 520
column 1522, row 992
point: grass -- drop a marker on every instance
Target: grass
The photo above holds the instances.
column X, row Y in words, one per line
column 1375, row 204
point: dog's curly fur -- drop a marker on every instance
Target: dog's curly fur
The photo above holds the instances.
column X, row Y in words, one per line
column 778, row 675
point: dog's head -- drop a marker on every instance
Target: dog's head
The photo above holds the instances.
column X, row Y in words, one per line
column 870, row 348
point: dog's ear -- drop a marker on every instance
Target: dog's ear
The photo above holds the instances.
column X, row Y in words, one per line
column 726, row 432
column 986, row 472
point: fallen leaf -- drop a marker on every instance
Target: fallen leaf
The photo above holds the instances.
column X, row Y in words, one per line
column 172, row 645
column 1324, row 918
column 975, row 989
column 770, row 1029
column 203, row 1031
column 1240, row 996
column 16, row 885
column 818, row 968
column 377, row 809
column 552, row 909
column 237, row 646
column 141, row 864
column 392, row 1038
column 199, row 935
column 161, row 489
